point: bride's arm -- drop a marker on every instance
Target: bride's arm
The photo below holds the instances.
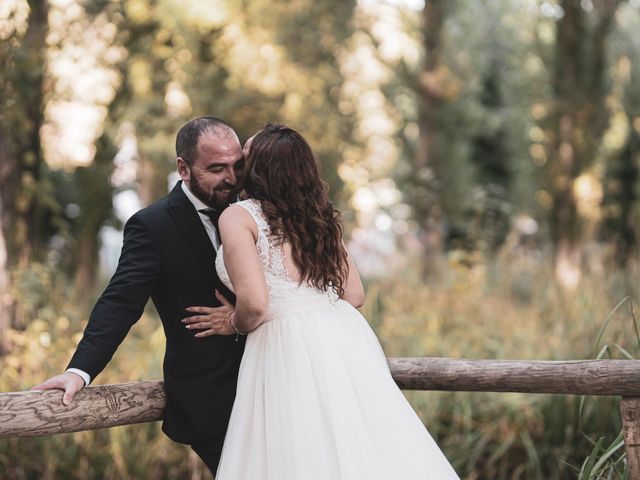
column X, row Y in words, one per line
column 353, row 289
column 239, row 234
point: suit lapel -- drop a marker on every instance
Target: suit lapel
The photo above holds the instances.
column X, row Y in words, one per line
column 189, row 222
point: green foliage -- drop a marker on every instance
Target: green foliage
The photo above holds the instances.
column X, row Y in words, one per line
column 621, row 176
column 487, row 96
column 478, row 312
column 605, row 461
column 504, row 310
column 51, row 324
column 26, row 198
column 472, row 111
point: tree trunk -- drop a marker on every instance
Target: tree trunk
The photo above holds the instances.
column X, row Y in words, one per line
column 85, row 273
column 427, row 204
column 96, row 202
column 5, row 299
column 565, row 221
column 580, row 121
column 20, row 138
column 152, row 180
column 620, row 225
column 33, row 101
column 8, row 190
column 21, row 160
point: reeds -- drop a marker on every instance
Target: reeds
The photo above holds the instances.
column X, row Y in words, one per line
column 513, row 310
column 504, row 310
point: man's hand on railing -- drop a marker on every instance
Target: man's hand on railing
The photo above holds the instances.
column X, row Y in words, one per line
column 70, row 382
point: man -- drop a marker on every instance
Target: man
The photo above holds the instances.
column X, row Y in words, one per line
column 168, row 255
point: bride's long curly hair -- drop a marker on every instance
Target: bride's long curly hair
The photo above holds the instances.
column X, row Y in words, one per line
column 282, row 174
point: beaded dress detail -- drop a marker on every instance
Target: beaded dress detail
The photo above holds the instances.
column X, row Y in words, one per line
column 285, row 293
column 315, row 399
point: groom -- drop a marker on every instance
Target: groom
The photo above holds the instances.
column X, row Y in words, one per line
column 168, row 255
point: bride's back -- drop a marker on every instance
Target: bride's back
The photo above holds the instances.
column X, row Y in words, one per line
column 289, row 264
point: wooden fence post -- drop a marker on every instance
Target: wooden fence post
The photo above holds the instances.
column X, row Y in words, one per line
column 630, row 411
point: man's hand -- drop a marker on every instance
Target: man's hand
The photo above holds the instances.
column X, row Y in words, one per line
column 70, row 382
column 212, row 320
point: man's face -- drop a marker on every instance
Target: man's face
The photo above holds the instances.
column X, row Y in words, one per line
column 213, row 177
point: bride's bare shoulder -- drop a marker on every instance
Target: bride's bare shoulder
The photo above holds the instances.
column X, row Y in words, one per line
column 235, row 213
column 236, row 218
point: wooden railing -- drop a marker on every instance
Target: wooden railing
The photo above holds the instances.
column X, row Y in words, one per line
column 33, row 413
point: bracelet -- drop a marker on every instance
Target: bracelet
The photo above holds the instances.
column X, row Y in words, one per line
column 231, row 321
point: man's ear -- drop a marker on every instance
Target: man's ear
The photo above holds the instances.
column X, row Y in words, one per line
column 183, row 169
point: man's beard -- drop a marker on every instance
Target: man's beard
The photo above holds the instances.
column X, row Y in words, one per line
column 211, row 199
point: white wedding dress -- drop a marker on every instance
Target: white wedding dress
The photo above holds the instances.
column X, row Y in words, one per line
column 315, row 398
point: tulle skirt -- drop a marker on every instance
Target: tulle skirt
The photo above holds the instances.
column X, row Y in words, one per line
column 316, row 401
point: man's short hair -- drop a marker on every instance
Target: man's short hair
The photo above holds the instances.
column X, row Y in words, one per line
column 187, row 138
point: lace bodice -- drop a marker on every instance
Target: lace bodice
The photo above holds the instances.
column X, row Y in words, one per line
column 283, row 290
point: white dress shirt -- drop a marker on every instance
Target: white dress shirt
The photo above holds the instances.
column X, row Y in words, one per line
column 211, row 233
column 206, row 221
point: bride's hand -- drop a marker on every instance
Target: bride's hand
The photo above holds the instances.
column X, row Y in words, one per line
column 211, row 320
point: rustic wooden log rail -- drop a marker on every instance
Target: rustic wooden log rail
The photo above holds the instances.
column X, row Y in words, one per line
column 33, row 413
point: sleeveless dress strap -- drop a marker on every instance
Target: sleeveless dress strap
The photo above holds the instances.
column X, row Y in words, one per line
column 269, row 250
column 255, row 210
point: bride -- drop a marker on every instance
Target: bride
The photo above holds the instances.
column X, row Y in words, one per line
column 315, row 398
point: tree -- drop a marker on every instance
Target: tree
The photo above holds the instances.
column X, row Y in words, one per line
column 621, row 200
column 433, row 91
column 580, row 118
column 465, row 174
column 23, row 176
column 621, row 183
column 26, row 202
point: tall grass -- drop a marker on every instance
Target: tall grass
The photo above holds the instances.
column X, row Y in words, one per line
column 52, row 317
column 512, row 309
column 506, row 309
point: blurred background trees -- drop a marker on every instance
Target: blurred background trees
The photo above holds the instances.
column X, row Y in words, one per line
column 486, row 155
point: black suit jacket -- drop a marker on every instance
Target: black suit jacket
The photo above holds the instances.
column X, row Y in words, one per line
column 168, row 257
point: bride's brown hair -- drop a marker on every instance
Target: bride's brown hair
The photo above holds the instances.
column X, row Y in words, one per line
column 282, row 174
